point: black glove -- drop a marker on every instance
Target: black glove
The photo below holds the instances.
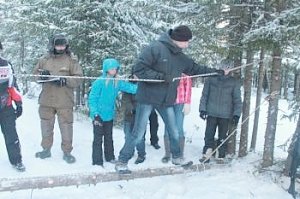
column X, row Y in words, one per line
column 61, row 82
column 44, row 72
column 235, row 120
column 97, row 121
column 19, row 110
column 203, row 115
column 220, row 72
column 168, row 78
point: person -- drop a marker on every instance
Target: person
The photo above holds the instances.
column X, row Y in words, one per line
column 162, row 60
column 101, row 102
column 57, row 95
column 182, row 107
column 220, row 104
column 153, row 121
column 8, row 114
column 129, row 104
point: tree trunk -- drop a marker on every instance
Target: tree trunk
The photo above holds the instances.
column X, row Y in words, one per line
column 273, row 108
column 94, row 178
column 297, row 84
column 258, row 100
column 246, row 105
column 268, row 154
column 285, row 82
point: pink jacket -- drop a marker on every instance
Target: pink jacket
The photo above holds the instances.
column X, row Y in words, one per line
column 184, row 90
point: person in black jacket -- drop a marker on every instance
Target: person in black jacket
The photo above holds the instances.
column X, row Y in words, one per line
column 10, row 97
column 161, row 60
column 220, row 104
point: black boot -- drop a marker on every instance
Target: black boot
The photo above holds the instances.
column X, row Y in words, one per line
column 69, row 158
column 156, row 146
column 46, row 153
column 140, row 159
column 19, row 167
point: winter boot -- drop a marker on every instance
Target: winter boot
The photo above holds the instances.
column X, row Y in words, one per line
column 19, row 167
column 167, row 156
column 156, row 146
column 140, row 159
column 46, row 153
column 69, row 158
column 179, row 161
column 206, row 157
column 121, row 166
column 113, row 161
column 181, row 145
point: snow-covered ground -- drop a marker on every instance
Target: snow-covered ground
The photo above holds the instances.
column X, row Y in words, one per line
column 240, row 180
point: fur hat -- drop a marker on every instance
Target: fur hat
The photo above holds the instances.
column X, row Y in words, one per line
column 226, row 64
column 181, row 33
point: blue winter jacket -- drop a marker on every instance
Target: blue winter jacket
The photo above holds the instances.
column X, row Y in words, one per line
column 104, row 92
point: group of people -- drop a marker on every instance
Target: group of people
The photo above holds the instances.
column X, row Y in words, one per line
column 163, row 60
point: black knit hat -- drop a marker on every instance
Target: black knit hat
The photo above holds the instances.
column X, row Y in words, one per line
column 181, row 33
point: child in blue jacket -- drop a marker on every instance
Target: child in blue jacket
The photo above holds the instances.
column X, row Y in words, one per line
column 102, row 109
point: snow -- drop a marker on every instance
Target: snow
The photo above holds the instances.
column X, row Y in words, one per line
column 239, row 180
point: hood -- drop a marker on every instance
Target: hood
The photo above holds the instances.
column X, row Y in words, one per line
column 57, row 37
column 166, row 39
column 109, row 64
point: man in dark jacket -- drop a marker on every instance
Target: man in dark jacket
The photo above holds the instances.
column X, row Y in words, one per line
column 220, row 104
column 161, row 60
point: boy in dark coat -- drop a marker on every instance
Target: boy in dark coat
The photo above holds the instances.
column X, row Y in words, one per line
column 220, row 104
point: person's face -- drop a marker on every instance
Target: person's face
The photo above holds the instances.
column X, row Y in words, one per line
column 182, row 44
column 60, row 47
column 112, row 72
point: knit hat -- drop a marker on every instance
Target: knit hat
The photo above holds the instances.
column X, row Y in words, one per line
column 181, row 33
column 226, row 64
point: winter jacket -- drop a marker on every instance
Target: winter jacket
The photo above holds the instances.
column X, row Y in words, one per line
column 184, row 90
column 221, row 97
column 104, row 92
column 59, row 96
column 129, row 104
column 160, row 59
column 8, row 95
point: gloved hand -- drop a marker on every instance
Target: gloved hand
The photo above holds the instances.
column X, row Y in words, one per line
column 186, row 109
column 97, row 121
column 61, row 82
column 235, row 120
column 203, row 115
column 168, row 78
column 44, row 72
column 220, row 72
column 19, row 111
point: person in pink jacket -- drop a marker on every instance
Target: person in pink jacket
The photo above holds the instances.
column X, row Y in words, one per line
column 182, row 107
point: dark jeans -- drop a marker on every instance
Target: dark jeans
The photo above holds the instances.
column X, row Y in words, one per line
column 104, row 130
column 8, row 128
column 153, row 127
column 211, row 125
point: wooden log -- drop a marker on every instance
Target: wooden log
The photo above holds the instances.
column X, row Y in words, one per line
column 14, row 184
